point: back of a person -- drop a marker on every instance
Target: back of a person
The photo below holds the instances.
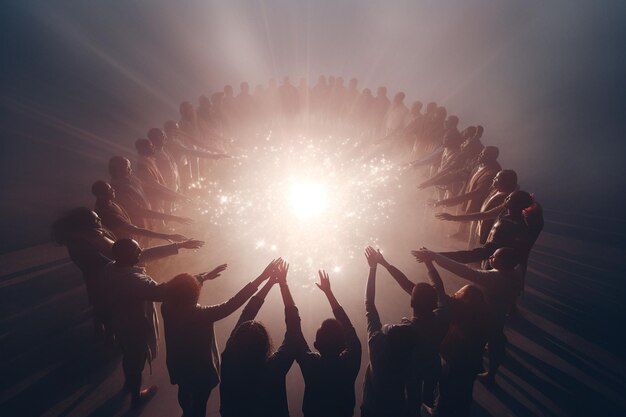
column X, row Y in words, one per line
column 252, row 391
column 329, row 386
column 463, row 345
column 188, row 341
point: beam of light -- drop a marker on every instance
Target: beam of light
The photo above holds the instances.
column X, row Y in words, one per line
column 308, row 199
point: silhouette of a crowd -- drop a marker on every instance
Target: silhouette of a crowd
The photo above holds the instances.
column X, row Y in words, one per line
column 425, row 364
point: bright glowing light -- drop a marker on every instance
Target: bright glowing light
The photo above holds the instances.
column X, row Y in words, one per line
column 308, row 199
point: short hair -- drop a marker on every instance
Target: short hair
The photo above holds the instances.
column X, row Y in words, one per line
column 100, row 188
column 142, row 145
column 509, row 257
column 330, row 337
column 124, row 250
column 182, row 290
column 155, row 135
column 509, row 178
column 491, row 152
column 117, row 164
column 423, row 299
column 519, row 200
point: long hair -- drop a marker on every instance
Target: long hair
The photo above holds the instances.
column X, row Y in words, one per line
column 250, row 345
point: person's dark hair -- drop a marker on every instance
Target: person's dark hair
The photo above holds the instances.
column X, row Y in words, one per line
column 519, row 200
column 125, row 251
column 143, row 146
column 100, row 188
column 330, row 338
column 183, row 290
column 508, row 178
column 74, row 220
column 117, row 165
column 250, row 344
column 156, row 136
column 508, row 258
column 491, row 153
column 423, row 299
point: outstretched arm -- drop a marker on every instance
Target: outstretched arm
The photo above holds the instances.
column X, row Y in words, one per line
column 163, row 251
column 373, row 319
column 220, row 311
column 463, row 271
column 469, row 217
column 435, row 279
column 461, row 198
column 398, row 275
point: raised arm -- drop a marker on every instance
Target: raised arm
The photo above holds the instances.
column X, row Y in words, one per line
column 469, row 217
column 463, row 271
column 435, row 279
column 220, row 311
column 373, row 319
column 135, row 230
column 400, row 278
column 461, row 198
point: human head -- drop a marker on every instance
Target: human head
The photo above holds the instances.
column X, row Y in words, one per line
column 468, row 132
column 183, row 290
column 504, row 259
column 126, row 252
column 400, row 341
column 228, row 91
column 451, row 122
column 76, row 220
column 399, row 98
column 186, row 110
column 452, row 140
column 204, row 102
column 431, row 108
column 416, row 108
column 330, row 338
column 245, row 87
column 367, row 92
column 144, row 147
column 441, row 113
column 339, row 81
column 354, row 83
column 170, row 128
column 157, row 137
column 102, row 190
column 251, row 343
column 423, row 299
column 321, row 80
column 488, row 155
column 505, row 181
column 119, row 167
column 518, row 201
column 381, row 92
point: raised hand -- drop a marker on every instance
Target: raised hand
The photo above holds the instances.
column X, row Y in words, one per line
column 207, row 276
column 270, row 269
column 381, row 259
column 324, row 283
column 444, row 216
column 372, row 256
column 423, row 255
column 191, row 244
column 281, row 272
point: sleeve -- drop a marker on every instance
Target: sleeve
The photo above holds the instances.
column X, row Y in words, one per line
column 464, row 271
column 401, row 279
column 249, row 311
column 220, row 311
column 373, row 319
column 286, row 353
column 158, row 252
column 352, row 354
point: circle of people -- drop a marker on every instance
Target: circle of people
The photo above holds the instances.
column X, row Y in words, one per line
column 427, row 363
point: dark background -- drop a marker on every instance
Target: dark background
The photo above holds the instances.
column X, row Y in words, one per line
column 81, row 80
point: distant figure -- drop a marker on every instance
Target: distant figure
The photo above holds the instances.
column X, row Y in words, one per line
column 192, row 355
column 289, row 99
column 253, row 376
column 129, row 294
column 397, row 116
column 500, row 286
column 429, row 324
column 165, row 160
column 117, row 220
column 380, row 109
column 330, row 374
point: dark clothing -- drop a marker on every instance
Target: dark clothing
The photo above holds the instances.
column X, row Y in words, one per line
column 245, row 391
column 193, row 398
column 329, row 380
column 455, row 392
column 192, row 354
column 130, row 194
column 114, row 218
column 387, row 374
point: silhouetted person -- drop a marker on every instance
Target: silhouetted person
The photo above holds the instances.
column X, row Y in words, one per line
column 330, row 374
column 131, row 195
column 148, row 172
column 500, row 286
column 253, row 376
column 386, row 390
column 130, row 294
column 397, row 116
column 115, row 218
column 192, row 355
column 503, row 184
column 380, row 109
column 429, row 323
column 461, row 350
column 165, row 160
column 289, row 99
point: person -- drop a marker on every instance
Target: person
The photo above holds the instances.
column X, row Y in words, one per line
column 430, row 322
column 130, row 193
column 165, row 161
column 380, row 108
column 117, row 220
column 477, row 188
column 129, row 293
column 192, row 356
column 330, row 373
column 397, row 116
column 504, row 183
column 289, row 100
column 461, row 350
column 385, row 390
column 517, row 227
column 500, row 286
column 253, row 377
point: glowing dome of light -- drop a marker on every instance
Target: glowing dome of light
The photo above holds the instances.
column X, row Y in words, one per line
column 307, row 199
